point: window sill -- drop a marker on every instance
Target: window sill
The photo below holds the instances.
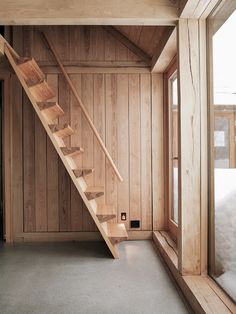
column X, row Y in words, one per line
column 202, row 293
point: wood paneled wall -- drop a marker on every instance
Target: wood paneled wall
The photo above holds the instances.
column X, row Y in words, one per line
column 120, row 105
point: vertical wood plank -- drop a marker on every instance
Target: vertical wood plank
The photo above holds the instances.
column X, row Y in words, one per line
column 134, row 147
column 63, row 177
column 189, row 179
column 76, row 140
column 17, row 143
column 123, row 144
column 87, row 142
column 146, row 177
column 6, row 155
column 111, row 137
column 29, row 167
column 99, row 122
column 40, row 176
column 110, row 47
column 98, row 44
column 158, row 152
column 74, row 37
column 52, row 172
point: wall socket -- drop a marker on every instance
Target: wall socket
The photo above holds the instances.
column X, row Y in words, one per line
column 123, row 216
column 134, row 223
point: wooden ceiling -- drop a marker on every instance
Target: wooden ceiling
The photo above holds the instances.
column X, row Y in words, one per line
column 145, row 37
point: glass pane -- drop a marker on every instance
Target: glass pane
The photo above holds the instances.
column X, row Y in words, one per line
column 174, row 148
column 223, row 232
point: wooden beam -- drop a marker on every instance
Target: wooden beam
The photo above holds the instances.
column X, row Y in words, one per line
column 96, row 64
column 190, row 139
column 196, row 8
column 77, row 70
column 92, row 12
column 128, row 43
column 165, row 51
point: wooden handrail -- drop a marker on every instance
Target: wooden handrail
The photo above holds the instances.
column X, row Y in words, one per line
column 74, row 91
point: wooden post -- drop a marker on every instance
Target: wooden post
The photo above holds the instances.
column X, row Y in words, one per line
column 189, row 141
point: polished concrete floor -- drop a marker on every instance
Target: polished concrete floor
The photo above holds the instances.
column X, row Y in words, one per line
column 81, row 278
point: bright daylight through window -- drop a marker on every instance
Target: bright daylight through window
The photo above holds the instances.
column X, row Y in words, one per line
column 223, row 206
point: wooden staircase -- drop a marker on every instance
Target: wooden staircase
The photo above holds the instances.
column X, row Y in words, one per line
column 40, row 94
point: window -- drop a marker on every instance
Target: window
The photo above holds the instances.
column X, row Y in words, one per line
column 222, row 25
column 172, row 134
column 174, row 146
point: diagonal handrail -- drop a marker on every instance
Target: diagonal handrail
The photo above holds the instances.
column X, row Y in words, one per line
column 75, row 93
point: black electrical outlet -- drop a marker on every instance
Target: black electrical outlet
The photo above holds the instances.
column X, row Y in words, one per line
column 135, row 224
column 123, row 216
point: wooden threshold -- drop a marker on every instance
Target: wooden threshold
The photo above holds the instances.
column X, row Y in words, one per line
column 202, row 293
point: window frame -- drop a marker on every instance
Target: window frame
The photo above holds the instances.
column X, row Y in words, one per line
column 172, row 226
column 211, row 127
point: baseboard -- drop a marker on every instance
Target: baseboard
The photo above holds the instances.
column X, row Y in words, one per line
column 74, row 236
column 57, row 236
column 139, row 235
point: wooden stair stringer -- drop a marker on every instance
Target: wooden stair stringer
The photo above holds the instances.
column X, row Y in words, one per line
column 77, row 183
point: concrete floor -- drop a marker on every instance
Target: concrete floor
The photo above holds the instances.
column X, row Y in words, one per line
column 81, row 278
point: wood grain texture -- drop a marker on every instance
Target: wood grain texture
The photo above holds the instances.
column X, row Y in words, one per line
column 158, row 152
column 190, row 201
column 111, row 137
column 63, row 177
column 146, row 175
column 99, row 122
column 29, row 167
column 123, row 144
column 52, row 171
column 195, row 9
column 134, row 148
column 75, row 120
column 98, row 12
column 120, row 105
column 40, row 146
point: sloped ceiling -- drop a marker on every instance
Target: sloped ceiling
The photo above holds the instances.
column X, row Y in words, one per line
column 145, row 37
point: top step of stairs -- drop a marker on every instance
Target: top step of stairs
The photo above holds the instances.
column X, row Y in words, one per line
column 31, row 72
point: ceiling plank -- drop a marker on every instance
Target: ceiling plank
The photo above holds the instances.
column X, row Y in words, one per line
column 92, row 12
column 196, row 8
column 127, row 43
column 165, row 51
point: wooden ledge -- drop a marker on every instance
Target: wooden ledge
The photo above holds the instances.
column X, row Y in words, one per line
column 202, row 293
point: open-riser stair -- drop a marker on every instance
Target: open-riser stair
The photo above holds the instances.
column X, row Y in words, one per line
column 40, row 94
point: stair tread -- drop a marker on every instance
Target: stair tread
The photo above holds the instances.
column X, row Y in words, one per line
column 61, row 130
column 71, row 151
column 81, row 172
column 95, row 189
column 116, row 231
column 30, row 71
column 42, row 91
column 50, row 110
column 94, row 192
column 105, row 212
